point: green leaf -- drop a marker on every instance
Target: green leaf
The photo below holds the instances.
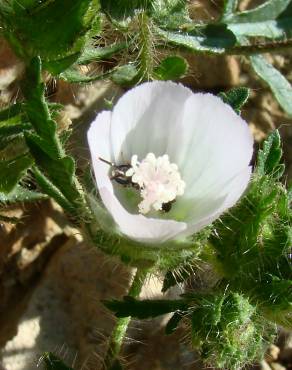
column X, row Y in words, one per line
column 9, row 128
column 21, row 194
column 93, row 54
column 273, row 19
column 122, row 9
column 52, row 29
column 126, row 75
column 45, row 145
column 170, row 14
column 213, row 38
column 235, row 97
column 52, row 362
column 55, row 67
column 144, row 309
column 12, row 125
column 59, row 170
column 171, row 68
column 73, row 75
column 281, row 87
column 269, row 156
column 229, row 8
column 9, row 113
column 36, row 107
column 11, row 171
column 227, row 332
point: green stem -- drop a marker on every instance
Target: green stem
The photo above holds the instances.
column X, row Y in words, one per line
column 122, row 323
column 266, row 47
column 146, row 47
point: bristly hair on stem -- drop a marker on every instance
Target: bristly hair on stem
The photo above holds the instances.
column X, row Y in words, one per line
column 146, row 46
column 121, row 326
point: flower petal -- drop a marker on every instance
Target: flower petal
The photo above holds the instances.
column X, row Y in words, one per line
column 137, row 227
column 98, row 137
column 210, row 145
column 144, row 117
column 206, row 211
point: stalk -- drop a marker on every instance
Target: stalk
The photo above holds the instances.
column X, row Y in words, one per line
column 146, row 47
column 122, row 323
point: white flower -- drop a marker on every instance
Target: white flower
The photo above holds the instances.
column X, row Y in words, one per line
column 184, row 160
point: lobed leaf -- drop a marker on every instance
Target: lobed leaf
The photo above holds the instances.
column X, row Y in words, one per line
column 269, row 156
column 12, row 170
column 55, row 30
column 45, row 145
column 235, row 97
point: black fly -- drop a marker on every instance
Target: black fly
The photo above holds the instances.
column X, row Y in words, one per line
column 118, row 173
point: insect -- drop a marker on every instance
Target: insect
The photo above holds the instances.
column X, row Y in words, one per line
column 118, row 173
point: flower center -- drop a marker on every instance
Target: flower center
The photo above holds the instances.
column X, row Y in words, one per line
column 159, row 182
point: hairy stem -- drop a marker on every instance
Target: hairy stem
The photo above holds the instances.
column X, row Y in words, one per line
column 266, row 47
column 122, row 323
column 146, row 47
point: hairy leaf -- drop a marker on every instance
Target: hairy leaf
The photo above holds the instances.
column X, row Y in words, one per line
column 52, row 29
column 144, row 309
column 270, row 155
column 235, row 97
column 170, row 14
column 93, row 54
column 227, row 332
column 125, row 75
column 273, row 19
column 281, row 87
column 213, row 38
column 121, row 9
column 59, row 170
column 11, row 171
column 45, row 145
column 36, row 106
column 171, row 68
column 9, row 113
column 229, row 8
column 21, row 194
column 73, row 75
